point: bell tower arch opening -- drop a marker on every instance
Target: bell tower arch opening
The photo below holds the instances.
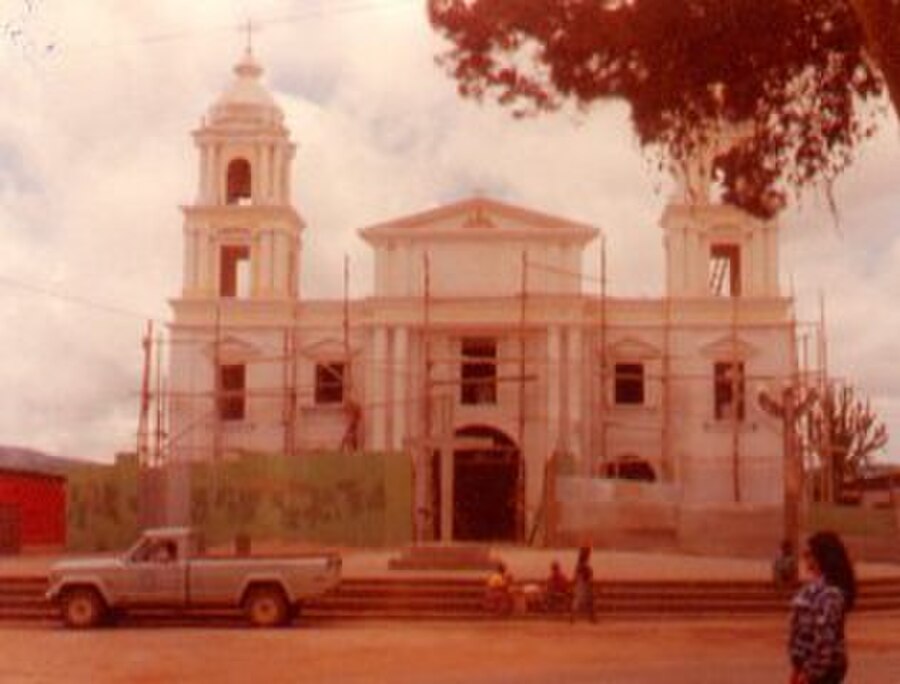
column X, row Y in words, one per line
column 487, row 486
column 238, row 182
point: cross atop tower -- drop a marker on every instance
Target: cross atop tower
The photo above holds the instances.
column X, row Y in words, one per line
column 248, row 27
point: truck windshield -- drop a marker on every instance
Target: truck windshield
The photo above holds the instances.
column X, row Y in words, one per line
column 155, row 551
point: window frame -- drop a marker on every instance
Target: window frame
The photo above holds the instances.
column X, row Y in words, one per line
column 724, row 388
column 232, row 399
column 631, row 380
column 728, row 254
column 478, row 371
column 329, row 382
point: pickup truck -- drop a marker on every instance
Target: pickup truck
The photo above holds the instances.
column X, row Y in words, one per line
column 166, row 569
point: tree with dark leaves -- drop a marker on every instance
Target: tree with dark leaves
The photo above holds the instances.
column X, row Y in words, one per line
column 795, row 77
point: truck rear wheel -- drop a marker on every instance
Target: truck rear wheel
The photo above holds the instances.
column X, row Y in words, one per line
column 82, row 608
column 266, row 606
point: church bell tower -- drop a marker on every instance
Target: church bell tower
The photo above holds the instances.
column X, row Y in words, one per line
column 713, row 249
column 242, row 236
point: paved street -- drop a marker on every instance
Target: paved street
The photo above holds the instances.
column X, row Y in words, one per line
column 673, row 651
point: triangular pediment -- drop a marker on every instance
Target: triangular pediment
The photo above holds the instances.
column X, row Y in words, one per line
column 478, row 216
column 728, row 347
column 327, row 349
column 232, row 349
column 633, row 348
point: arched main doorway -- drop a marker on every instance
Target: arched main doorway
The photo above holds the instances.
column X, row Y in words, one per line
column 487, row 486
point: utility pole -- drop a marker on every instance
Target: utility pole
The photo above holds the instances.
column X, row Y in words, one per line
column 348, row 383
column 737, row 382
column 827, row 467
column 603, row 355
column 158, row 429
column 217, row 391
column 520, row 494
column 425, row 470
column 792, row 469
column 352, row 410
column 292, row 389
column 143, row 447
column 790, row 411
column 146, row 502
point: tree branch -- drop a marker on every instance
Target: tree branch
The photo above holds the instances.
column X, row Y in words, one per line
column 880, row 21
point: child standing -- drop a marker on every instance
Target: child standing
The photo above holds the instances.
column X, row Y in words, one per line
column 583, row 590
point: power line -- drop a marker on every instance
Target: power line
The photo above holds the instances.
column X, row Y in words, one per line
column 349, row 8
column 76, row 299
column 323, row 10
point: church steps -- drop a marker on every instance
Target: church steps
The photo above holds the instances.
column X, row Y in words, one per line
column 447, row 598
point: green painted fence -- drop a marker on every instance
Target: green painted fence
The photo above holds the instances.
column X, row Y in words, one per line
column 361, row 499
column 355, row 499
column 102, row 506
column 853, row 520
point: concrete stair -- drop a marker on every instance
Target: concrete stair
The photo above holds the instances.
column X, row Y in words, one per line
column 22, row 598
column 456, row 598
column 438, row 557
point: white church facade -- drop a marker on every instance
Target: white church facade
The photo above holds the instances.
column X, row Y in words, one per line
column 478, row 353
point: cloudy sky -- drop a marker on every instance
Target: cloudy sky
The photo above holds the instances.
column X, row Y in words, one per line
column 98, row 100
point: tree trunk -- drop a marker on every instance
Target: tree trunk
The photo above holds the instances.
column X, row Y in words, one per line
column 880, row 20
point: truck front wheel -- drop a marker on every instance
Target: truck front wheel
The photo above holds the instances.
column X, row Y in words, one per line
column 266, row 606
column 82, row 607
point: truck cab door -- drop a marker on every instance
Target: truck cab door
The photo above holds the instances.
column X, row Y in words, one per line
column 155, row 574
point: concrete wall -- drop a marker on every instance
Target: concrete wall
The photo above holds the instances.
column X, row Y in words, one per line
column 639, row 515
column 615, row 512
column 730, row 530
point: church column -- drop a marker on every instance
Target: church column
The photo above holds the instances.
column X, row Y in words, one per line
column 207, row 263
column 280, row 258
column 263, row 244
column 284, row 176
column 553, row 386
column 206, row 173
column 272, row 173
column 277, row 173
column 261, row 196
column 271, row 238
column 399, row 370
column 700, row 267
column 216, row 178
column 771, row 262
column 376, row 393
column 190, row 260
column 574, row 377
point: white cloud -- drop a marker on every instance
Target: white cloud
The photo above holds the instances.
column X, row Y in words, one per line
column 96, row 156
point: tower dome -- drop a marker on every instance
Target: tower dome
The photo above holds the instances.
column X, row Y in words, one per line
column 246, row 99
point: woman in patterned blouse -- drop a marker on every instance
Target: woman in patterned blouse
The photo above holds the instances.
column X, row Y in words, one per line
column 817, row 647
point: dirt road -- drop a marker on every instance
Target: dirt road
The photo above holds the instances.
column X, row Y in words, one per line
column 749, row 651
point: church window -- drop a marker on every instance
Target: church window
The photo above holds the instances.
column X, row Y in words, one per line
column 234, row 271
column 478, row 381
column 725, row 270
column 329, row 383
column 232, row 391
column 238, row 181
column 729, row 389
column 629, row 384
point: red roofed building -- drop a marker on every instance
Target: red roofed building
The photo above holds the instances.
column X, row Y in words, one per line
column 32, row 510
